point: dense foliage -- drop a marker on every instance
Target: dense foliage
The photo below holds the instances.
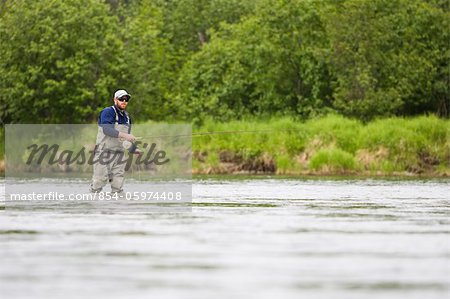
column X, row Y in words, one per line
column 191, row 60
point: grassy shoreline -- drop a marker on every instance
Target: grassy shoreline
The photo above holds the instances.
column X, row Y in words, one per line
column 329, row 146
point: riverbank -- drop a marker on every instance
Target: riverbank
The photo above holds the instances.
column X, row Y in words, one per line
column 330, row 146
column 2, row 151
column 333, row 145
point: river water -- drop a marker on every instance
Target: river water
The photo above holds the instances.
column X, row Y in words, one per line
column 263, row 238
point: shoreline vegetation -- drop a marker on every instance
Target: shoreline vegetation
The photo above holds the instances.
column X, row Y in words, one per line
column 328, row 146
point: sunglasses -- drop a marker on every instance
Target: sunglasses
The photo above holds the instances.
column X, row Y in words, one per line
column 124, row 99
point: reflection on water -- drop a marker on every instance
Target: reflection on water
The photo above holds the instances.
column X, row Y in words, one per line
column 246, row 239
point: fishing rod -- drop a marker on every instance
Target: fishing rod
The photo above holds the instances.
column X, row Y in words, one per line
column 128, row 144
column 196, row 134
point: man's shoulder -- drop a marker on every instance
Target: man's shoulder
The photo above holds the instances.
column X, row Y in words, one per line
column 107, row 116
column 108, row 111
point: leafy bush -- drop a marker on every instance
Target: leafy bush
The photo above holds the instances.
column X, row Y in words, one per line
column 333, row 160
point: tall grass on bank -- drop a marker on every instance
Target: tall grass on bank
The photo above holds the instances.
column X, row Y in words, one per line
column 329, row 145
column 2, row 143
column 2, row 150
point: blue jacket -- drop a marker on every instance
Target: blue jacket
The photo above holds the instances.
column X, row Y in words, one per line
column 107, row 119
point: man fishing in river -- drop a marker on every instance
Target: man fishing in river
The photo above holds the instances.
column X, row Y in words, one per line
column 113, row 138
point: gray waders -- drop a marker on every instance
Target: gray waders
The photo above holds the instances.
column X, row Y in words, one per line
column 110, row 159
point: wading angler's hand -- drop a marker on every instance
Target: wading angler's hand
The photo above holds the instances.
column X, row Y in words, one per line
column 127, row 137
column 128, row 145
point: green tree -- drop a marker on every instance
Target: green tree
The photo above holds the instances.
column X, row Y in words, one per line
column 160, row 36
column 60, row 60
column 187, row 22
column 388, row 57
column 271, row 62
column 149, row 62
column 297, row 31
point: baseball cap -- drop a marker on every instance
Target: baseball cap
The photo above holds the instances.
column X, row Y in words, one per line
column 120, row 93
